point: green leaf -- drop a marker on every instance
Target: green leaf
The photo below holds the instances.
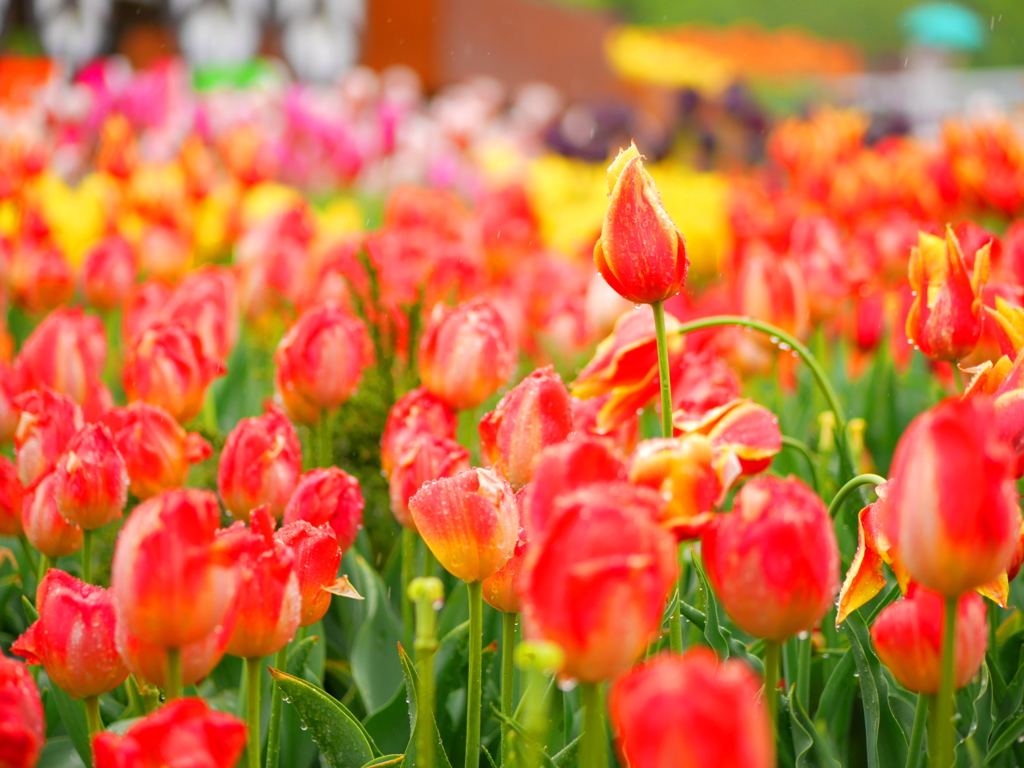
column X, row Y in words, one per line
column 385, row 760
column 567, row 757
column 389, row 726
column 342, row 739
column 375, row 668
column 806, row 736
column 72, row 714
column 1010, row 731
column 59, row 752
column 712, row 628
column 411, row 686
column 305, row 660
column 886, row 743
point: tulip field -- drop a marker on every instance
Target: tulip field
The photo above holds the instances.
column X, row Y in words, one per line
column 362, row 438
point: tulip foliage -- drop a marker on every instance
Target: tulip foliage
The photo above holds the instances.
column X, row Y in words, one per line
column 278, row 488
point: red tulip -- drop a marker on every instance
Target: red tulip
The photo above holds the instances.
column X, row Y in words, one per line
column 469, row 521
column 269, row 600
column 22, row 728
column 466, row 353
column 640, row 252
column 952, row 510
column 143, row 308
column 585, row 417
column 156, row 450
column 317, row 558
column 907, row 636
column 260, row 464
column 691, row 711
column 534, row 414
column 40, row 278
column 773, row 289
column 10, row 386
column 148, row 661
column 328, row 496
column 740, row 428
column 166, row 366
column 945, row 319
column 596, row 581
column 184, row 733
column 773, row 561
column 320, row 362
column 173, row 582
column 74, row 636
column 501, row 589
column 205, row 302
column 91, row 487
column 11, row 496
column 108, row 273
column 44, row 525
column 423, row 459
column 415, row 411
column 48, row 421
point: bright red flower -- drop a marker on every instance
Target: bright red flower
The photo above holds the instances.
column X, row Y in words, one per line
column 173, row 581
column 11, row 495
column 501, row 589
column 328, row 496
column 184, row 733
column 91, row 486
column 156, row 450
column 469, row 521
column 22, row 728
column 260, row 464
column 10, row 386
column 43, row 524
column 317, row 558
column 597, row 579
column 773, row 289
column 143, row 308
column 40, row 278
column 741, row 428
column 48, row 421
column 907, row 636
column 148, row 661
column 466, row 353
column 108, row 273
column 640, row 252
column 415, row 411
column 691, row 711
column 74, row 636
column 423, row 459
column 773, row 561
column 206, row 303
column 320, row 362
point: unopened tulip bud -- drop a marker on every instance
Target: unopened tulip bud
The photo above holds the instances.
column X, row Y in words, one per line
column 773, row 561
column 332, row 497
column 74, row 636
column 44, row 525
column 48, row 422
column 205, row 302
column 466, row 354
column 317, row 558
column 691, row 710
column 10, row 386
column 414, row 412
column 40, row 278
column 422, row 459
column 640, row 253
column 534, row 414
column 108, row 273
column 469, row 522
column 92, row 479
column 907, row 636
column 260, row 464
column 22, row 727
column 501, row 589
column 11, row 497
column 143, row 308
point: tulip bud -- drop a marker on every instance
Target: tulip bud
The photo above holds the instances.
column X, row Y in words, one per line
column 91, row 486
column 534, row 414
column 166, row 366
column 907, row 636
column 469, row 521
column 563, row 468
column 148, row 661
column 317, row 558
column 143, row 308
column 415, row 411
column 40, row 278
column 945, row 319
column 501, row 589
column 596, row 582
column 328, row 496
column 269, row 600
column 260, row 464
column 44, row 525
column 212, row 739
column 48, row 421
column 22, row 728
column 691, row 710
column 773, row 561
column 640, row 253
column 11, row 496
column 108, row 273
column 423, row 459
column 773, row 289
column 10, row 386
column 173, row 583
column 205, row 302
column 164, row 253
column 952, row 510
column 466, row 354
column 74, row 636
column 742, row 429
column 320, row 361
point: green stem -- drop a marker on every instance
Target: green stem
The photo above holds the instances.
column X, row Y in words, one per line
column 408, row 573
column 429, row 561
column 135, row 705
column 942, row 725
column 675, row 622
column 538, row 661
column 274, row 729
column 772, row 654
column 210, row 411
column 427, row 594
column 850, row 487
column 29, row 564
column 508, row 642
column 173, row 690
column 593, row 741
column 958, row 376
column 87, row 556
column 92, row 715
column 664, row 375
column 800, row 447
column 917, row 734
column 44, row 565
column 803, row 670
column 326, row 447
column 253, row 667
column 476, row 642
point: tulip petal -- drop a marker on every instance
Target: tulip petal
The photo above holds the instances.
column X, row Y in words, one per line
column 866, row 576
column 997, row 590
column 342, row 587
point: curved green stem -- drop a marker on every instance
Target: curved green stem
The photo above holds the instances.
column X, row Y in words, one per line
column 274, row 729
column 800, row 447
column 851, row 485
column 508, row 642
column 253, row 667
column 427, row 594
column 664, row 376
column 325, row 446
column 942, row 726
column 408, row 573
column 476, row 641
column 593, row 741
column 917, row 734
column 772, row 655
column 92, row 715
column 87, row 557
column 173, row 689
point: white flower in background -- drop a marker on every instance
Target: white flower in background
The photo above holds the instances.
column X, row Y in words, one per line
column 72, row 31
column 219, row 31
column 321, row 37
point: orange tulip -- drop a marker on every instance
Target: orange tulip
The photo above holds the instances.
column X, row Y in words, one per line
column 91, row 486
column 22, row 727
column 11, row 495
column 423, row 459
column 316, row 559
column 108, row 273
column 143, row 308
column 328, row 496
column 415, row 411
column 206, row 302
column 148, row 661
column 44, row 525
column 501, row 589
